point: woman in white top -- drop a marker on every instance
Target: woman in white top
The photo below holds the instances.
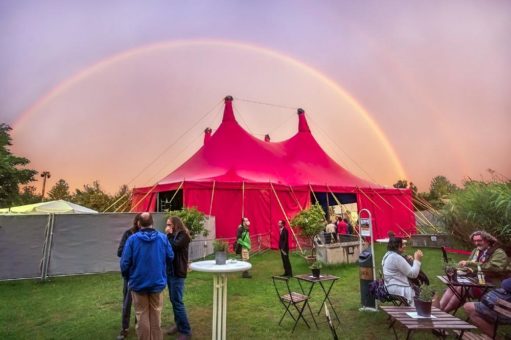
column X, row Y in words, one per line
column 396, row 270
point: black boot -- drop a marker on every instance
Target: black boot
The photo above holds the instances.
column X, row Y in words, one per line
column 246, row 275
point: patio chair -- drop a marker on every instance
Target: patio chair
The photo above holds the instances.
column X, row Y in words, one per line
column 293, row 302
column 330, row 323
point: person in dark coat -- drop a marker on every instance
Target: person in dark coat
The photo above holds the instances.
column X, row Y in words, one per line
column 179, row 238
column 284, row 248
column 126, row 292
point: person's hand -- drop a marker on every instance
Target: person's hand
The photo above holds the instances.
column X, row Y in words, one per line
column 462, row 263
column 418, row 255
column 168, row 230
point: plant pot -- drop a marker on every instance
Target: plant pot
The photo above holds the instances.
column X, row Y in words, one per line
column 316, row 273
column 423, row 308
column 220, row 257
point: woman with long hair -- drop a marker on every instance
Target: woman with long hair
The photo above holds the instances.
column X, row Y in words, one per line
column 396, row 270
column 179, row 238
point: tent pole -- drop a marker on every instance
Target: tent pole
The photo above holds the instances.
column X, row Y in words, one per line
column 111, row 205
column 369, row 198
column 212, row 197
column 285, row 216
column 313, row 194
column 140, row 201
column 243, row 199
column 404, row 205
column 296, row 199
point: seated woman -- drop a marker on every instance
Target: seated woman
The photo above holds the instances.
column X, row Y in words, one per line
column 493, row 261
column 396, row 270
column 482, row 315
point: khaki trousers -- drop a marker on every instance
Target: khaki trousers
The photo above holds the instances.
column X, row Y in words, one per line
column 148, row 307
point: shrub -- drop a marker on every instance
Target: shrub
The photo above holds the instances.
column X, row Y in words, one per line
column 193, row 219
column 480, row 206
column 310, row 221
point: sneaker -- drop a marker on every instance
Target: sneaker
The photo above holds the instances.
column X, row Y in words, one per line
column 171, row 330
column 123, row 334
column 184, row 336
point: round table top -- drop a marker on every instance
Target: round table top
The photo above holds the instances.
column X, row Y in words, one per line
column 230, row 266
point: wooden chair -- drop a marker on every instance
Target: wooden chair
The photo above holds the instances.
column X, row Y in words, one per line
column 293, row 302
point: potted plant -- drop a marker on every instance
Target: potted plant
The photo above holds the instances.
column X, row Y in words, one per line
column 310, row 222
column 424, row 300
column 316, row 269
column 220, row 247
column 193, row 219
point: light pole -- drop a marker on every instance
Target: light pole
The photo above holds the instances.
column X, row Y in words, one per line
column 44, row 175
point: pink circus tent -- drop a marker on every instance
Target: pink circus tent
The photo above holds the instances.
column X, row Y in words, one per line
column 235, row 174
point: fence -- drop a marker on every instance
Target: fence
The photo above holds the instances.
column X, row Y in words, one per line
column 39, row 246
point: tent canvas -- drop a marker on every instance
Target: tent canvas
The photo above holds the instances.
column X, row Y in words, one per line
column 50, row 207
column 235, row 174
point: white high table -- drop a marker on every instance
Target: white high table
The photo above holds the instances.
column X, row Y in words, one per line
column 220, row 272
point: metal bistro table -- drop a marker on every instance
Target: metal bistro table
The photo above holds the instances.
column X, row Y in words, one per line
column 220, row 272
column 464, row 283
column 312, row 281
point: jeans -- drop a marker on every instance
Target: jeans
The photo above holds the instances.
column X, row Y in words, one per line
column 176, row 288
column 126, row 305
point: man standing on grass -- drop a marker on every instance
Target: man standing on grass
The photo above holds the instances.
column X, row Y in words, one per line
column 284, row 248
column 144, row 260
column 243, row 240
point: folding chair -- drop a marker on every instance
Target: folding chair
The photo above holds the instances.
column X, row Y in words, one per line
column 330, row 323
column 446, row 250
column 293, row 302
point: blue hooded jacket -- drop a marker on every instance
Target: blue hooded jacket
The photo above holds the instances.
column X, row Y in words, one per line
column 144, row 260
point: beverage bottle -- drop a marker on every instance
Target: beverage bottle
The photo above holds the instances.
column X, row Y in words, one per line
column 480, row 276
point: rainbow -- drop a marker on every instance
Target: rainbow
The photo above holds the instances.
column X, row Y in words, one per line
column 105, row 63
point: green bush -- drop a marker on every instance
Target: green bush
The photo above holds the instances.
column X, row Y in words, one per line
column 480, row 206
column 310, row 221
column 193, row 219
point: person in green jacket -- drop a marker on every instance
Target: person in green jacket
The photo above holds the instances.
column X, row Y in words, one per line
column 243, row 241
column 493, row 261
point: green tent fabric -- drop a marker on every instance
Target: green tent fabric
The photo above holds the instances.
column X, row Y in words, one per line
column 53, row 207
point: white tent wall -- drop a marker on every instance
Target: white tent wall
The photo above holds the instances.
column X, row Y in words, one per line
column 80, row 244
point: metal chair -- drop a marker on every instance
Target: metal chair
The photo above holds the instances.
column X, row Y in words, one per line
column 293, row 302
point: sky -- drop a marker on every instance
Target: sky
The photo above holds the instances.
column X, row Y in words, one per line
column 121, row 91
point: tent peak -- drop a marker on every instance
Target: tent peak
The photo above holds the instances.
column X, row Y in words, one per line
column 228, row 112
column 267, row 138
column 302, row 121
column 207, row 134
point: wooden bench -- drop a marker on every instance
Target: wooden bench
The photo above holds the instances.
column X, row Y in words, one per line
column 503, row 309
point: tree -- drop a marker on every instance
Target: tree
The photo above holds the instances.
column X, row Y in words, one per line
column 28, row 195
column 60, row 191
column 12, row 171
column 121, row 201
column 439, row 190
column 92, row 196
column 310, row 222
column 401, row 184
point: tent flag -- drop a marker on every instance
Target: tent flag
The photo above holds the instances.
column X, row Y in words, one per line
column 240, row 167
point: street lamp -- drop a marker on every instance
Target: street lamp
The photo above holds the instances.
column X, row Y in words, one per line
column 44, row 175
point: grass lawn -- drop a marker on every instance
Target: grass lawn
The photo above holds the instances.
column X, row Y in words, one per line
column 89, row 306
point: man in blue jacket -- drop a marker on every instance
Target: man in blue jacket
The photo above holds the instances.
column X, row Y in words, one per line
column 144, row 260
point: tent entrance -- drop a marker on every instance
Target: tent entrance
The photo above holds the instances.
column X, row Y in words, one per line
column 169, row 200
column 330, row 204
